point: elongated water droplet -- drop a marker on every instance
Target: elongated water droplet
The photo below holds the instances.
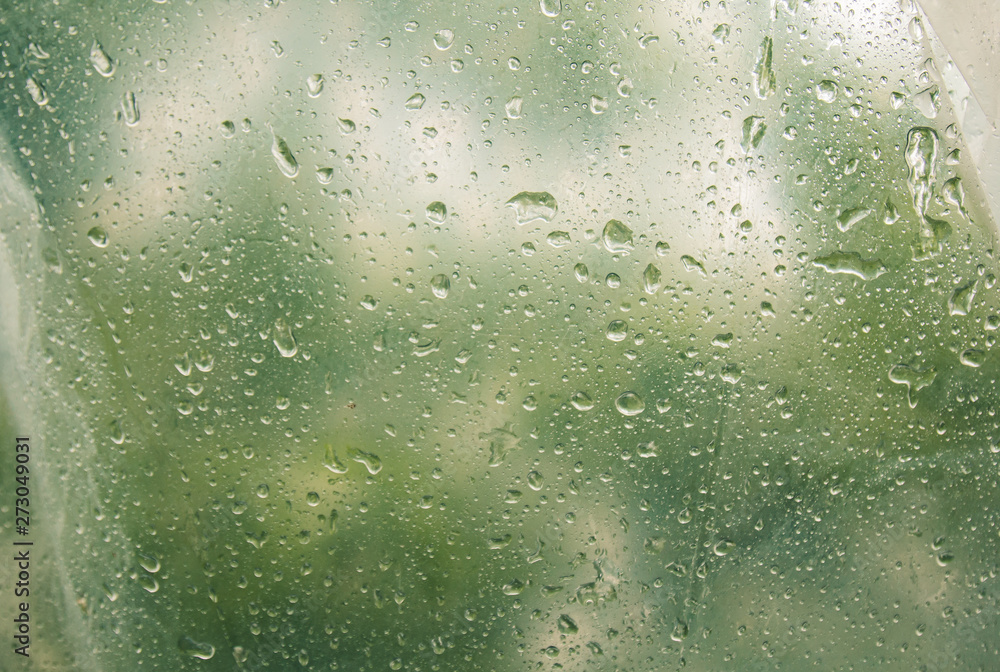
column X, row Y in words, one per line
column 283, row 156
column 346, row 126
column 581, row 272
column 651, row 279
column 283, row 338
column 37, row 92
column 763, row 75
column 371, row 462
column 961, row 299
column 117, row 434
column 630, row 403
column 101, row 61
column 195, row 649
column 130, row 109
column 558, row 239
column 972, row 357
column 616, row 237
column 914, row 379
column 692, row 264
column 753, row 133
column 149, row 562
column 440, row 284
column 567, row 625
column 533, row 205
column 331, row 462
column 850, row 217
column 851, row 263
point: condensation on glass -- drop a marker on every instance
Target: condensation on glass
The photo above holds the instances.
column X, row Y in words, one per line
column 553, row 335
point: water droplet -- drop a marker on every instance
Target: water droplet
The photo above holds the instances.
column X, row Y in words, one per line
column 763, row 75
column 101, row 61
column 98, row 236
column 598, row 105
column 617, row 331
column 440, row 284
column 331, row 462
column 368, row 302
column 195, row 649
column 415, row 102
column 535, row 481
column 130, row 109
column 851, row 263
column 651, row 279
column 558, row 239
column 581, row 272
column 312, row 499
column 961, row 299
column 826, row 91
column 613, row 280
column 616, row 237
column 680, row 631
column 346, row 126
column 513, row 107
column 692, row 264
column 324, row 175
column 567, row 625
column 890, row 215
column 227, row 129
column 436, row 212
column 530, row 403
column 723, row 547
column 148, row 583
column 928, row 102
column 444, row 38
column 283, row 338
column 630, row 403
column 753, row 133
column 37, row 92
column 850, row 217
column 533, row 205
column 972, row 357
column 721, row 33
column 514, row 587
column 581, row 401
column 371, row 462
column 550, row 8
column 149, row 562
column 314, row 85
column 914, row 379
column 283, row 156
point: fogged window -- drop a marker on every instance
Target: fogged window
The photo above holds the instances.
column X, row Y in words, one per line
column 579, row 335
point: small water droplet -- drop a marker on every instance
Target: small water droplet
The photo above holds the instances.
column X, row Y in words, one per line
column 37, row 92
column 850, row 217
column 723, row 547
column 324, row 175
column 227, row 129
column 346, row 126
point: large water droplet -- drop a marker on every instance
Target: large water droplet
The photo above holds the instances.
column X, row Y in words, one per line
column 753, row 133
column 763, row 74
column 581, row 401
column 37, row 92
column 444, row 38
column 314, row 85
column 826, row 91
column 98, row 236
column 914, row 379
column 195, row 649
column 513, row 107
column 130, row 109
column 436, row 212
column 533, row 205
column 630, row 403
column 372, row 463
column 961, row 299
column 848, row 218
column 440, row 284
column 616, row 237
column 415, row 102
column 283, row 338
column 617, row 331
column 692, row 264
column 283, row 156
column 102, row 63
column 651, row 279
column 851, row 263
column 550, row 8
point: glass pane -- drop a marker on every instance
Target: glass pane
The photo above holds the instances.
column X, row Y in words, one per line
column 555, row 335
